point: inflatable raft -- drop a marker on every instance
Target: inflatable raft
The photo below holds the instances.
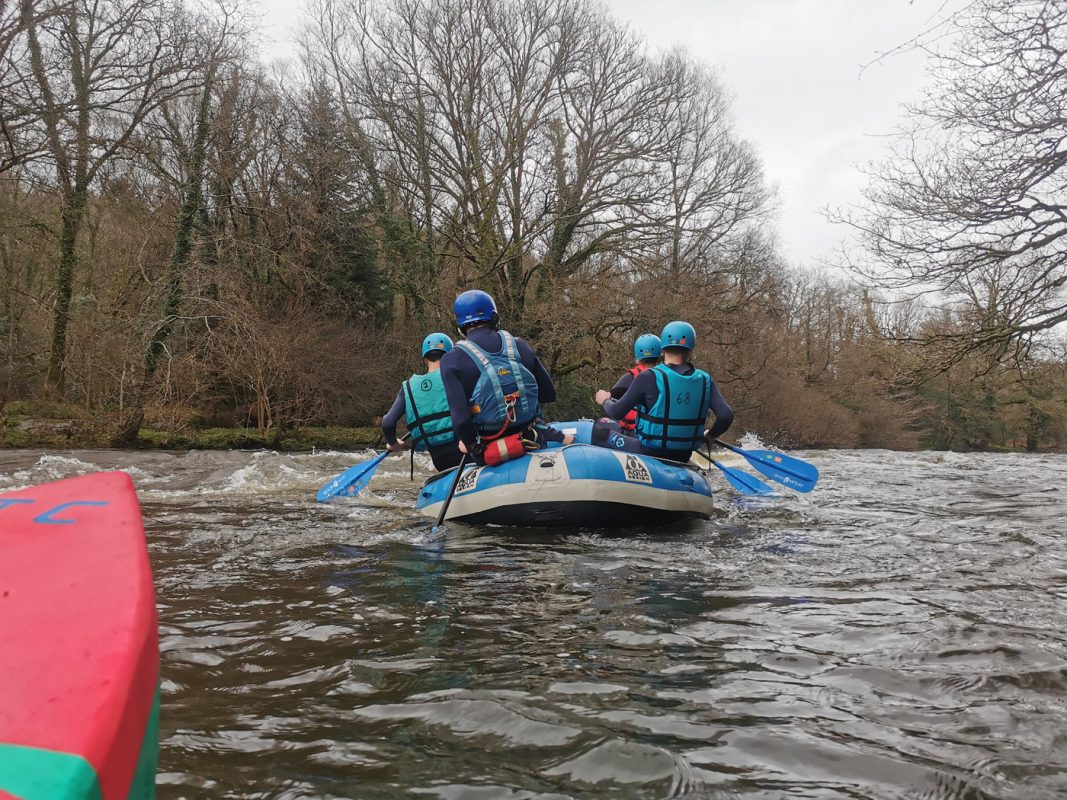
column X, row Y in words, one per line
column 79, row 675
column 574, row 486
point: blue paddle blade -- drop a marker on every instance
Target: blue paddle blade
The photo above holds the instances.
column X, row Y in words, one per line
column 743, row 482
column 788, row 471
column 351, row 481
column 785, row 469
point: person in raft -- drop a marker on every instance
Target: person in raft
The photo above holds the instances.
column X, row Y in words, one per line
column 421, row 403
column 495, row 384
column 672, row 400
column 647, row 352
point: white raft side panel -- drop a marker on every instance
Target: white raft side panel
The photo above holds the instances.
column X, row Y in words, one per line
column 552, row 484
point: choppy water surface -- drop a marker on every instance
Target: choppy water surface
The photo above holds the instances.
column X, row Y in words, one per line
column 899, row 633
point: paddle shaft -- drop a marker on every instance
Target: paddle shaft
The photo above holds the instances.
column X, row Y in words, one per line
column 451, row 491
column 373, row 465
column 742, row 481
column 398, row 441
column 353, row 475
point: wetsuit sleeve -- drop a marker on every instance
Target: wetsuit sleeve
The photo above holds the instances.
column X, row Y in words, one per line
column 393, row 416
column 621, row 385
column 551, row 434
column 642, row 391
column 546, row 389
column 456, row 394
column 724, row 415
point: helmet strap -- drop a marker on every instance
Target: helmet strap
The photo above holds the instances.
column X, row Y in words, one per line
column 491, row 324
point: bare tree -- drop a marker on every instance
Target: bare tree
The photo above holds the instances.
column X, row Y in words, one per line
column 715, row 181
column 972, row 204
column 212, row 48
column 607, row 143
column 523, row 139
column 19, row 141
column 96, row 69
column 452, row 99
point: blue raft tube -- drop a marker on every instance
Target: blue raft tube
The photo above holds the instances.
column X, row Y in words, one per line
column 579, row 485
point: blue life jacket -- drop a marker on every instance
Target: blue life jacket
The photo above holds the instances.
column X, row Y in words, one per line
column 503, row 381
column 426, row 411
column 676, row 420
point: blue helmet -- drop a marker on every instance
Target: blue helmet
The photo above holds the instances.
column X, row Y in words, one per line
column 647, row 346
column 474, row 306
column 436, row 342
column 679, row 334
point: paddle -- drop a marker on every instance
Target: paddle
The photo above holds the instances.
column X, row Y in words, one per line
column 451, row 492
column 786, row 470
column 352, row 481
column 741, row 481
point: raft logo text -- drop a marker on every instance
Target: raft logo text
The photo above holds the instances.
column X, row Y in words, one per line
column 634, row 470
column 468, row 480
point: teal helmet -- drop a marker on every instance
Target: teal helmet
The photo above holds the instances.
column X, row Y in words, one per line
column 679, row 334
column 647, row 346
column 436, row 342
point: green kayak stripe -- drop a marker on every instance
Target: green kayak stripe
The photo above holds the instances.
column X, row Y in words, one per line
column 30, row 773
column 143, row 786
column 34, row 774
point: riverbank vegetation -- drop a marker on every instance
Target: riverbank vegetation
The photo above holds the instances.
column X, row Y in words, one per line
column 191, row 240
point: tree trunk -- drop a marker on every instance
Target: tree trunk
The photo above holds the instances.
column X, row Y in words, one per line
column 73, row 214
column 191, row 206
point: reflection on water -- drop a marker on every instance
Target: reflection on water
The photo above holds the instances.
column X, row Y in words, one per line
column 898, row 633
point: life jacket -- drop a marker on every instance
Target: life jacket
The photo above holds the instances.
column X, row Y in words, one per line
column 506, row 392
column 628, row 423
column 676, row 420
column 426, row 411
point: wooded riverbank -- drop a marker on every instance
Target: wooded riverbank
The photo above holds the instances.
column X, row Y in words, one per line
column 190, row 240
column 58, row 427
column 48, row 426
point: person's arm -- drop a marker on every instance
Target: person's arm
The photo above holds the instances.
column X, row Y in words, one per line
column 392, row 417
column 548, row 433
column 642, row 391
column 546, row 389
column 621, row 385
column 551, row 434
column 724, row 415
column 456, row 394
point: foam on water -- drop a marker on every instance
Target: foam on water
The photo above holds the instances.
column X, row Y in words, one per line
column 53, row 467
column 751, row 441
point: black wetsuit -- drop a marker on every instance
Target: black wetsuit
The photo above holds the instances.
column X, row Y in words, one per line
column 644, row 391
column 444, row 456
column 617, row 391
column 621, row 385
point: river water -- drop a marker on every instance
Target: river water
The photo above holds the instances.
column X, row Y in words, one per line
column 901, row 632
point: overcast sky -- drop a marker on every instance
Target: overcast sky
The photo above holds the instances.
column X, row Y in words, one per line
column 800, row 95
column 800, row 92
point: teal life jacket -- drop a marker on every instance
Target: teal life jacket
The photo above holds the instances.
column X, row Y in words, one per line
column 503, row 383
column 426, row 411
column 676, row 420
